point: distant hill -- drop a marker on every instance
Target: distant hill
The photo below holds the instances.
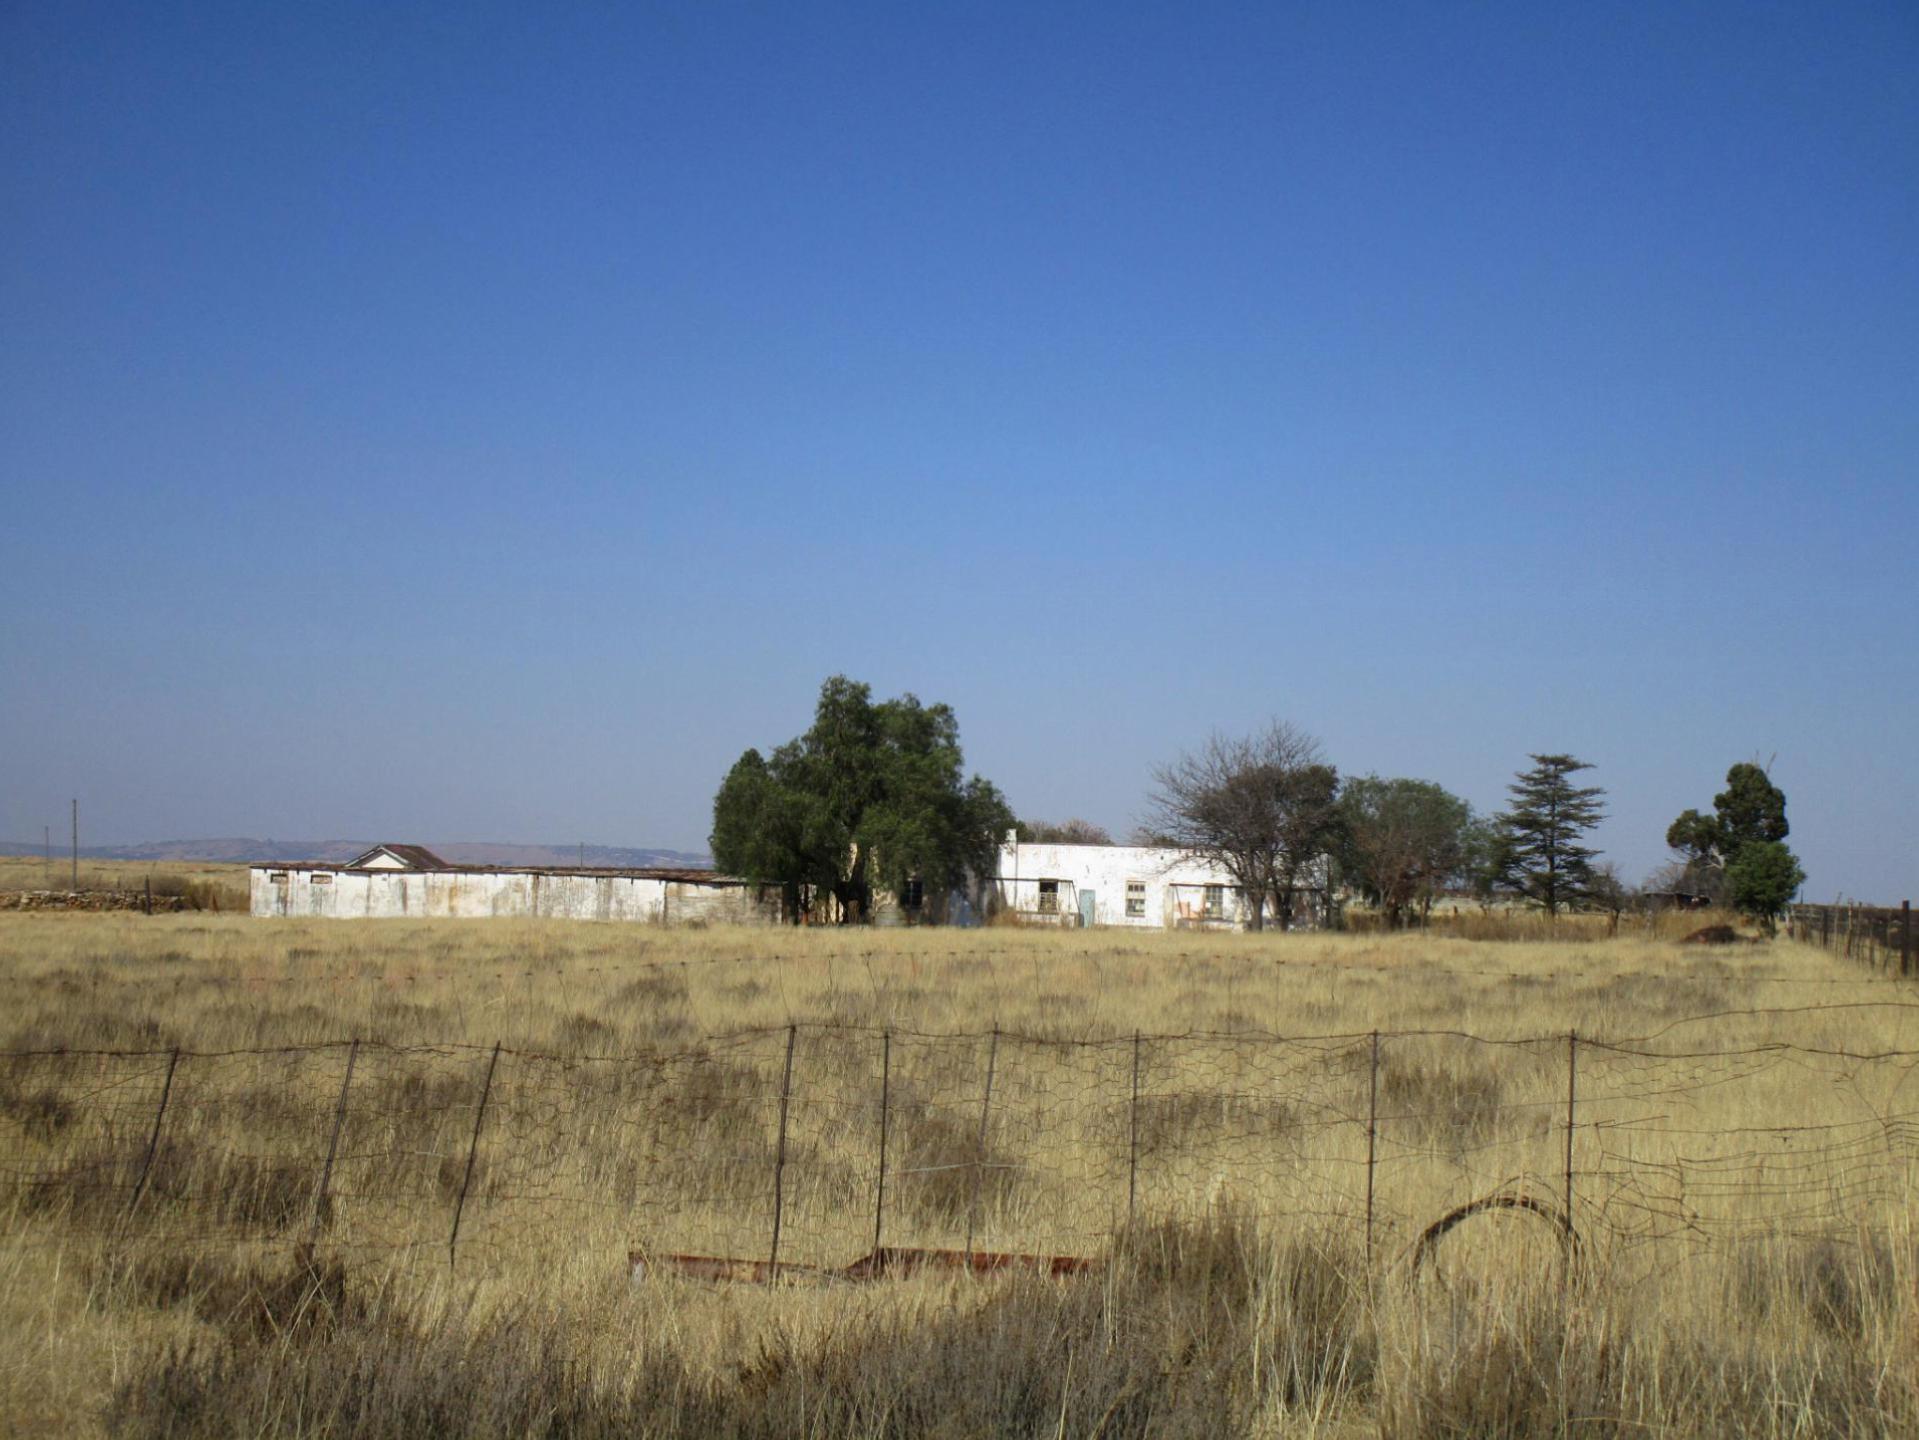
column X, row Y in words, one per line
column 241, row 851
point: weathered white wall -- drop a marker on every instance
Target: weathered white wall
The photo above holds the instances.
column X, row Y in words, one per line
column 1105, row 870
column 475, row 894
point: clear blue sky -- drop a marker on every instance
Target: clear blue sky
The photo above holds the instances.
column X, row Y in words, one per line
column 484, row 422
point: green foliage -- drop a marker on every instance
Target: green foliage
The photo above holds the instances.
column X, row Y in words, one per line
column 1749, row 810
column 1401, row 840
column 1763, row 877
column 1067, row 832
column 1540, row 857
column 871, row 796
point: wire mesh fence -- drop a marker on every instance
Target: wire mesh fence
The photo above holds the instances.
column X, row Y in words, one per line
column 811, row 1146
column 1877, row 936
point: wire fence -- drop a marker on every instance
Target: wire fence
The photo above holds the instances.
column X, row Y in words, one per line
column 1877, row 936
column 816, row 1145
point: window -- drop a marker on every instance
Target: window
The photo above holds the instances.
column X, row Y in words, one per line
column 278, row 877
column 1049, row 896
column 320, row 880
column 1215, row 902
column 1135, row 899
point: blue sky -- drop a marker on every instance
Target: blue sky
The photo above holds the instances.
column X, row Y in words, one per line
column 484, row 422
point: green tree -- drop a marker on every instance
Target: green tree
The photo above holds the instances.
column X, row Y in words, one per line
column 1400, row 841
column 1541, row 858
column 870, row 797
column 1067, row 832
column 1763, row 877
column 1750, row 810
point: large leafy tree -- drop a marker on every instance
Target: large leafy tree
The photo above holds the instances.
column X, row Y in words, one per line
column 1264, row 808
column 1751, row 810
column 871, row 797
column 1540, row 856
column 1737, row 854
column 1401, row 840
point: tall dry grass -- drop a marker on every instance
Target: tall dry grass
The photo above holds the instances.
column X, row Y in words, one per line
column 1240, row 1300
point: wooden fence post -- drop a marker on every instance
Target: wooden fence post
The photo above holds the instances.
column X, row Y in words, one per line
column 1905, row 937
column 779, row 1156
column 979, row 1157
column 472, row 1153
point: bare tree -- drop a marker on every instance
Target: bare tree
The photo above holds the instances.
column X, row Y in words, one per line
column 1262, row 808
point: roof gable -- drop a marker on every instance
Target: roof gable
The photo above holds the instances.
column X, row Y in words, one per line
column 397, row 857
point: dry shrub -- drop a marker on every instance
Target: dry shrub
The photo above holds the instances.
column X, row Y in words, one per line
column 1536, row 1365
column 1185, row 1119
column 41, row 1112
column 297, row 1295
column 937, row 1167
column 252, row 1194
column 1452, row 1106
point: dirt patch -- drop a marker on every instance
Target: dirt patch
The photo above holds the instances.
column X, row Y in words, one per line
column 1716, row 935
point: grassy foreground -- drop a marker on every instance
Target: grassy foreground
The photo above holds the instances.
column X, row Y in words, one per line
column 1783, row 1303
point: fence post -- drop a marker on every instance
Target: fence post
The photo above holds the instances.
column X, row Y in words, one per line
column 1905, row 937
column 333, row 1143
column 1372, row 1142
column 1572, row 1096
column 979, row 1156
column 886, row 1090
column 779, row 1155
column 472, row 1153
column 1132, row 1140
column 153, row 1140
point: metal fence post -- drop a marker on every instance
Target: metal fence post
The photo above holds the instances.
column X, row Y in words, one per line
column 1132, row 1140
column 979, row 1157
column 472, row 1153
column 779, row 1155
column 1905, row 937
column 1572, row 1093
column 333, row 1143
column 886, row 1095
column 1372, row 1142
column 153, row 1140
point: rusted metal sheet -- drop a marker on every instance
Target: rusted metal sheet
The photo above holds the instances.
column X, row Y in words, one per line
column 886, row 1262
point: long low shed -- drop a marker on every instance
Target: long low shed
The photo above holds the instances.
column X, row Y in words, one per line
column 387, row 883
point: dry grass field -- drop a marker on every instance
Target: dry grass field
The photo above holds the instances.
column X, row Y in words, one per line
column 1202, row 1114
column 216, row 886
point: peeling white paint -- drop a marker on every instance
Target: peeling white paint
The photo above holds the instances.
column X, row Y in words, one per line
column 340, row 894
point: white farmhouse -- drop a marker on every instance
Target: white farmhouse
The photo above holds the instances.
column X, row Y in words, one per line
column 1143, row 886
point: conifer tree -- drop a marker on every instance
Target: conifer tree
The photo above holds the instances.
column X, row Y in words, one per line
column 1541, row 857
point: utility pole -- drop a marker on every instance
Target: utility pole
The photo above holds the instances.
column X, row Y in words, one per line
column 76, row 846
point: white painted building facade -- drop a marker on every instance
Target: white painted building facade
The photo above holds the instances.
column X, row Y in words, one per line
column 1141, row 886
column 402, row 881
